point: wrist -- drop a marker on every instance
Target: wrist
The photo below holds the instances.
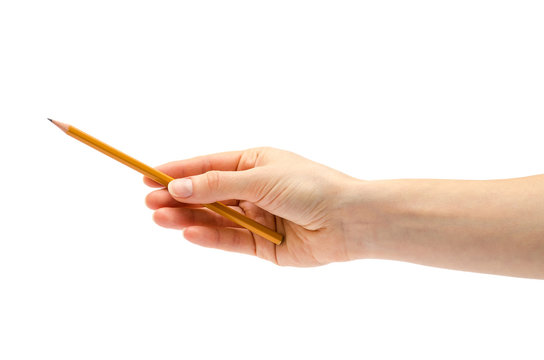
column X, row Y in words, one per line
column 366, row 213
column 379, row 216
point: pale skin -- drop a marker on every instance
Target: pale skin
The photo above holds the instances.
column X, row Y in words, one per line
column 488, row 226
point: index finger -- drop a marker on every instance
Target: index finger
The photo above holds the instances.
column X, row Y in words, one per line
column 225, row 161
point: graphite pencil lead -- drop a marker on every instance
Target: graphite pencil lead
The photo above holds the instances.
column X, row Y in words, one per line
column 64, row 127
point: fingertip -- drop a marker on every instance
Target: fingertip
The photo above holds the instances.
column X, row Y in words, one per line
column 188, row 233
column 159, row 198
column 192, row 233
column 181, row 188
column 163, row 217
column 149, row 202
column 200, row 235
column 229, row 239
column 158, row 217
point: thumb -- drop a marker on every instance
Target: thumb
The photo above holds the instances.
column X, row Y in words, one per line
column 214, row 186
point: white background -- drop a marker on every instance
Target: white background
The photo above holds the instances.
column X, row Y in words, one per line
column 377, row 89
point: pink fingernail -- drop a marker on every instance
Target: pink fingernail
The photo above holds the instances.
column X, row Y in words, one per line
column 181, row 188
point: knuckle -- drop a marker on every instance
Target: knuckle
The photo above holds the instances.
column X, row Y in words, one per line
column 213, row 180
column 255, row 156
column 263, row 149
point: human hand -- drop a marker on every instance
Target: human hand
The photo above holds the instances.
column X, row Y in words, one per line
column 299, row 198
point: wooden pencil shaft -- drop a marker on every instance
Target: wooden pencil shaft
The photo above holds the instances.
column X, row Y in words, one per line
column 246, row 222
column 120, row 156
column 164, row 179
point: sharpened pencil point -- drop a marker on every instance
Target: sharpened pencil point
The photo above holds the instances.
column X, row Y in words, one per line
column 62, row 126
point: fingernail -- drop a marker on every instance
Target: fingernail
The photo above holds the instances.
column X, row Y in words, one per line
column 181, row 188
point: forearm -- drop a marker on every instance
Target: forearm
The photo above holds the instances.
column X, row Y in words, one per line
column 494, row 226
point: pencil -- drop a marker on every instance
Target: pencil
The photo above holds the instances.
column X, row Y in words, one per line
column 164, row 179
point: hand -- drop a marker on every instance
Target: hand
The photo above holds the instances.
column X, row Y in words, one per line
column 299, row 198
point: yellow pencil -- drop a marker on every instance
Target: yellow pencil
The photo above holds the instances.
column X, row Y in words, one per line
column 164, row 179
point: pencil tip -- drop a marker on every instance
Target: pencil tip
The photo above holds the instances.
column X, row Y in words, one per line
column 64, row 127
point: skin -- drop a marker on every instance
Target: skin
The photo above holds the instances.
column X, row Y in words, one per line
column 489, row 226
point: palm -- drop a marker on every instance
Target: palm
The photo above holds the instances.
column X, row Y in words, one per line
column 301, row 247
